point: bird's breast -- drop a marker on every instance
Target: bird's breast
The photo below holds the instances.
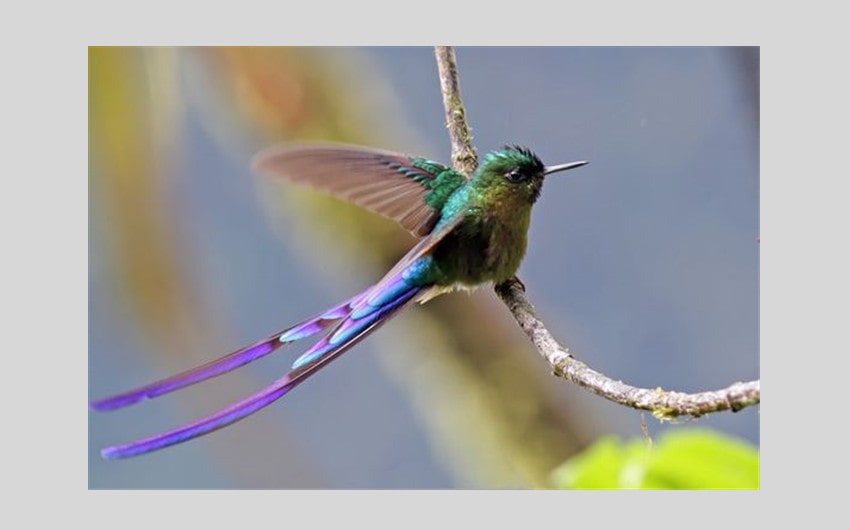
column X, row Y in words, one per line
column 482, row 248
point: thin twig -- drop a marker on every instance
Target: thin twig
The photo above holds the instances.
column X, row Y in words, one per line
column 464, row 156
column 662, row 403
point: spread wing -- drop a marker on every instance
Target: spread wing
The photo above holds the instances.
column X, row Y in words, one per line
column 409, row 190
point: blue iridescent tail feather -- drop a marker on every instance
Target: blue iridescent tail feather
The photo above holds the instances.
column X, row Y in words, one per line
column 373, row 307
column 229, row 362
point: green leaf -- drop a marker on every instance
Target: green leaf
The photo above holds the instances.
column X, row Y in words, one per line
column 703, row 459
column 682, row 459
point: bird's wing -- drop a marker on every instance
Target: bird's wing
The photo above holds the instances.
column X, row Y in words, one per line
column 409, row 190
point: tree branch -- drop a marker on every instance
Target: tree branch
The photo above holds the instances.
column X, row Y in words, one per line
column 464, row 156
column 663, row 404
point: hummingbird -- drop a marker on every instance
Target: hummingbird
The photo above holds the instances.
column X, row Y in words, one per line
column 471, row 231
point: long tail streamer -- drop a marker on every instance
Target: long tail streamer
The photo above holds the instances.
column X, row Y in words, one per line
column 231, row 361
column 359, row 316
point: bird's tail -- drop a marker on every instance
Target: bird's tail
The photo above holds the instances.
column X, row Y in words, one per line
column 357, row 318
column 230, row 361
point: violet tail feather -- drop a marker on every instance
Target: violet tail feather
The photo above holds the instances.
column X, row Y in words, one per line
column 206, row 425
column 228, row 362
column 348, row 333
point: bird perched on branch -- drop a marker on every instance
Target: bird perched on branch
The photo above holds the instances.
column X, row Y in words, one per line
column 472, row 231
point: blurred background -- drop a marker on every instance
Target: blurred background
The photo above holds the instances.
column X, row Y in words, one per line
column 644, row 263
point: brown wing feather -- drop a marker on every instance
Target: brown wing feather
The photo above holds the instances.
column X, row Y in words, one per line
column 367, row 177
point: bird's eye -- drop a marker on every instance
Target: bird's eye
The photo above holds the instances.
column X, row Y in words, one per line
column 516, row 175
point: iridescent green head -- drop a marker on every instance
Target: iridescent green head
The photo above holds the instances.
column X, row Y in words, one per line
column 515, row 174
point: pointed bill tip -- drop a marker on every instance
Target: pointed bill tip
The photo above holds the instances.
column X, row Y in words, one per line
column 563, row 167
